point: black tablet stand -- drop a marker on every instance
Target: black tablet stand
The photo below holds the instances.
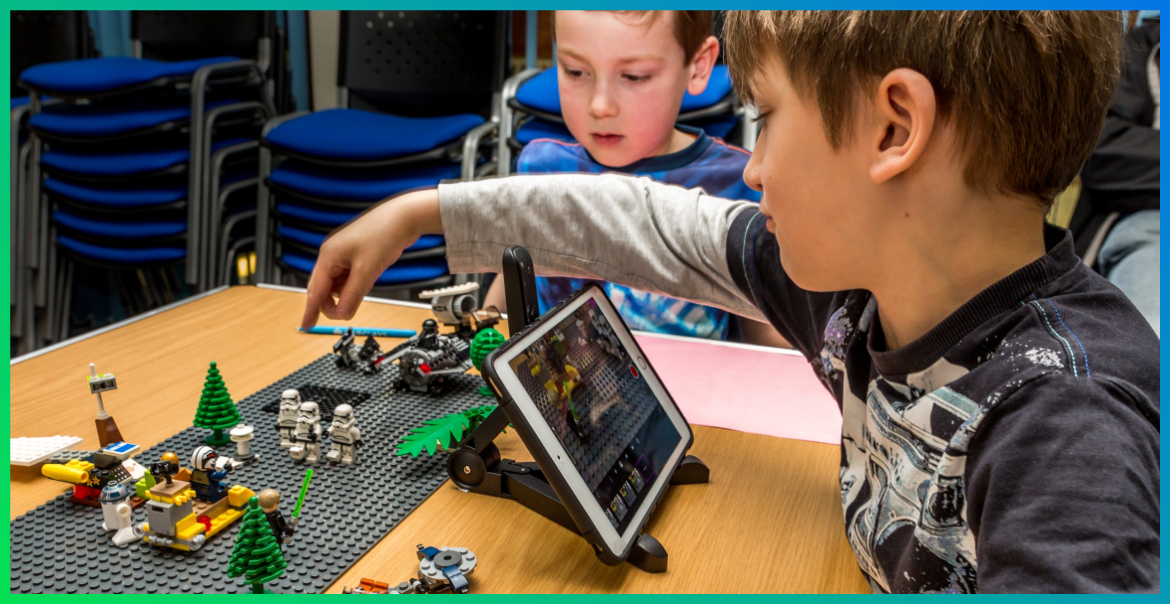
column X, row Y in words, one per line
column 475, row 466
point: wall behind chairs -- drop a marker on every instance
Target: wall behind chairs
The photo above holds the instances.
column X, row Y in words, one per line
column 324, row 35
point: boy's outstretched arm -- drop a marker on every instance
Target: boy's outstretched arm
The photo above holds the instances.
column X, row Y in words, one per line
column 632, row 231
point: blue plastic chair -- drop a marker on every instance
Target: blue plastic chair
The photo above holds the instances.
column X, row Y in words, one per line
column 531, row 109
column 409, row 117
column 147, row 118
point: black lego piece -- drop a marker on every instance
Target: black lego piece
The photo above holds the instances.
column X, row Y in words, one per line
column 520, row 288
column 475, row 466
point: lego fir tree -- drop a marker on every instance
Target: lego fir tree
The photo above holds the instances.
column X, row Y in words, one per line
column 256, row 554
column 216, row 410
column 484, row 342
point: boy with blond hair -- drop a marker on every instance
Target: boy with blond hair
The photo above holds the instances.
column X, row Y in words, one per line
column 621, row 79
column 1000, row 401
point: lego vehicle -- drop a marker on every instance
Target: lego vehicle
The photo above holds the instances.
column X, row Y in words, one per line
column 358, row 358
column 440, row 570
column 176, row 519
column 89, row 476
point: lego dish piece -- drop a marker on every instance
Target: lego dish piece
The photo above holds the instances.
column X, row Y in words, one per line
column 32, row 451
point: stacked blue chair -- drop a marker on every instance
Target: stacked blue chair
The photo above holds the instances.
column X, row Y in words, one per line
column 531, row 109
column 124, row 162
column 36, row 37
column 416, row 96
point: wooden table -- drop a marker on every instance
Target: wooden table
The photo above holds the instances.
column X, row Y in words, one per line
column 769, row 521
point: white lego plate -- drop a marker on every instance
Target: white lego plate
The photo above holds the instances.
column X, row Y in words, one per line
column 32, row 451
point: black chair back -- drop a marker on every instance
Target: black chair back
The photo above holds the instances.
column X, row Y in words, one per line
column 47, row 36
column 423, row 63
column 180, row 35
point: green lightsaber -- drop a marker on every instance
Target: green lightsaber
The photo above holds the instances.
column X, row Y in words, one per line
column 300, row 501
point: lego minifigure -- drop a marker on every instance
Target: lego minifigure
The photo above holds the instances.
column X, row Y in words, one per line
column 345, row 434
column 286, row 420
column 207, row 472
column 270, row 503
column 307, row 436
column 117, row 514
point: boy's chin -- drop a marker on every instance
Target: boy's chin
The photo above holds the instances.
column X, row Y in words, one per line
column 613, row 157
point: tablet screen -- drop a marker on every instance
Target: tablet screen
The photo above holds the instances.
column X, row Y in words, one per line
column 600, row 407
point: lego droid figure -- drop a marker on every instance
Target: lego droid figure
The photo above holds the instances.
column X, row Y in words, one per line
column 207, row 474
column 307, row 436
column 286, row 420
column 345, row 434
column 117, row 514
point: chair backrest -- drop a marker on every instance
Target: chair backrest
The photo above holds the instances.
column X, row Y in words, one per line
column 47, row 36
column 423, row 63
column 180, row 35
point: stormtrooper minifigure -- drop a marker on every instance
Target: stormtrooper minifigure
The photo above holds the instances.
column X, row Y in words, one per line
column 286, row 421
column 345, row 434
column 307, row 436
column 116, row 514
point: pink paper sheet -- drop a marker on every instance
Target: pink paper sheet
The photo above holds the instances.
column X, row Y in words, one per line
column 749, row 390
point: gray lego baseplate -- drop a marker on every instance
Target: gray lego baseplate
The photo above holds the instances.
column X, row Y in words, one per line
column 60, row 546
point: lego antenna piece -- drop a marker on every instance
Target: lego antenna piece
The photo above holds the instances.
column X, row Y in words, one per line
column 32, row 451
column 106, row 428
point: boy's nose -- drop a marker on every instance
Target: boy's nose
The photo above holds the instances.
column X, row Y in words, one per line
column 751, row 172
column 601, row 104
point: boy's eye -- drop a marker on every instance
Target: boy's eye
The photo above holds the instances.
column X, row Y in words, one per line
column 573, row 73
column 635, row 78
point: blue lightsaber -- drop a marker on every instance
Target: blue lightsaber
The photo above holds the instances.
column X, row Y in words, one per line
column 361, row 331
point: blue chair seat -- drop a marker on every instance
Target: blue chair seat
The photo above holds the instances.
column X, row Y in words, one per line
column 131, row 256
column 83, row 121
column 95, row 76
column 110, row 165
column 18, row 101
column 355, row 135
column 538, row 128
column 127, row 198
column 718, row 127
column 120, row 229
column 406, row 272
column 541, row 92
column 363, row 186
column 718, row 87
column 314, row 240
column 325, row 218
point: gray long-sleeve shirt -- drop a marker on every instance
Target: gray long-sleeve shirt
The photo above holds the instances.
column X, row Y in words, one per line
column 1013, row 447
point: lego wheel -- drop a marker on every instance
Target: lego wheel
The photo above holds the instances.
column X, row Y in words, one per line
column 196, row 542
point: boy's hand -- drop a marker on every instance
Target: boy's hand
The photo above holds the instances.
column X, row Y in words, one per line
column 351, row 259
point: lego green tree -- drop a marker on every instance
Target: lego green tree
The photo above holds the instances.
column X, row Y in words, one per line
column 256, row 554
column 485, row 341
column 444, row 431
column 216, row 410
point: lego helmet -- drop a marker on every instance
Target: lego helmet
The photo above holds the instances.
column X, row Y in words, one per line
column 115, row 492
column 344, row 413
column 203, row 458
column 430, row 326
column 171, row 457
column 290, row 395
column 309, row 408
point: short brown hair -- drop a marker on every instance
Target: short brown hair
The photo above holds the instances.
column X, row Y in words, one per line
column 1026, row 91
column 691, row 27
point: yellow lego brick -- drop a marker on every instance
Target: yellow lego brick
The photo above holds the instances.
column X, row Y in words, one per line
column 223, row 520
column 76, row 471
column 188, row 527
column 238, row 496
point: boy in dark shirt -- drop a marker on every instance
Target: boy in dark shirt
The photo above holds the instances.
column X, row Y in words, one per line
column 1000, row 401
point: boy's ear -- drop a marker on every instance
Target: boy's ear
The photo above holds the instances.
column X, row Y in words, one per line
column 905, row 114
column 702, row 64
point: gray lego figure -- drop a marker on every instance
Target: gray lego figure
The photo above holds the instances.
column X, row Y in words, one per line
column 307, row 435
column 286, row 420
column 345, row 434
column 207, row 474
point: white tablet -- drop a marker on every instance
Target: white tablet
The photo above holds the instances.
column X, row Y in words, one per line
column 594, row 415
